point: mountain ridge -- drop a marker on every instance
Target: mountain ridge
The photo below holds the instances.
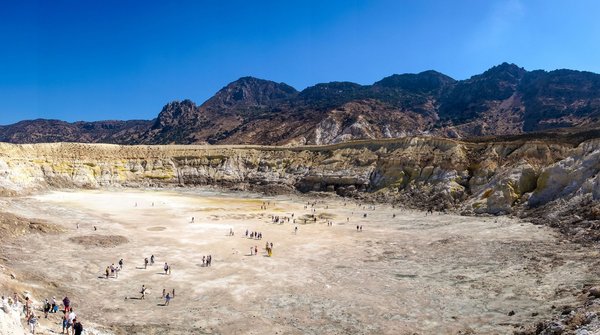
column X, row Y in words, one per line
column 503, row 100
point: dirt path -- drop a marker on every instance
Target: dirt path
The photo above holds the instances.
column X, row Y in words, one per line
column 412, row 273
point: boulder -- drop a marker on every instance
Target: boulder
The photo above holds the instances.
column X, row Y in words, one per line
column 594, row 292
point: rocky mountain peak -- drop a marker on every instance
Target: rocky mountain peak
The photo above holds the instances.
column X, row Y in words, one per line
column 505, row 71
column 175, row 112
column 250, row 92
column 334, row 87
column 423, row 82
column 327, row 95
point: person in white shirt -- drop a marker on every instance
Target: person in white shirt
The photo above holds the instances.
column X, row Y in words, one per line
column 70, row 319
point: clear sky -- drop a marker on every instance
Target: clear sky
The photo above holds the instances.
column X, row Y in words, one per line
column 96, row 60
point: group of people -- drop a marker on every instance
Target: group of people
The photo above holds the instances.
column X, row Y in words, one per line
column 165, row 295
column 313, row 218
column 278, row 219
column 206, row 260
column 72, row 326
column 167, row 268
column 253, row 234
column 70, row 323
column 50, row 307
column 255, row 250
column 168, row 296
column 146, row 261
column 311, row 204
column 269, row 248
column 370, row 207
column 113, row 270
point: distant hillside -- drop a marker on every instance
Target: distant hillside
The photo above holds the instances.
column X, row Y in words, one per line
column 45, row 131
column 504, row 100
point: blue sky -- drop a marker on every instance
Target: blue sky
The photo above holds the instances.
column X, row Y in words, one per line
column 96, row 60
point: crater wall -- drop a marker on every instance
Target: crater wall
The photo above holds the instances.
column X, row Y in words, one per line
column 494, row 178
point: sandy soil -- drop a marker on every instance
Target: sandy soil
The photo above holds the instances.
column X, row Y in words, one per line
column 409, row 274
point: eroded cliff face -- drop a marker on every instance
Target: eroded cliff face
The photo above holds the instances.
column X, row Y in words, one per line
column 494, row 178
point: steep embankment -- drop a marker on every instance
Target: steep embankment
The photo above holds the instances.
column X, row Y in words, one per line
column 556, row 181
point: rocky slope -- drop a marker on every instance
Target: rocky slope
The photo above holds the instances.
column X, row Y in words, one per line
column 47, row 131
column 504, row 100
column 9, row 321
column 555, row 182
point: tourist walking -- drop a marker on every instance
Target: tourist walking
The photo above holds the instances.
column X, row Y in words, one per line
column 70, row 320
column 47, row 308
column 65, row 321
column 77, row 327
column 32, row 321
column 167, row 299
column 27, row 307
column 67, row 304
